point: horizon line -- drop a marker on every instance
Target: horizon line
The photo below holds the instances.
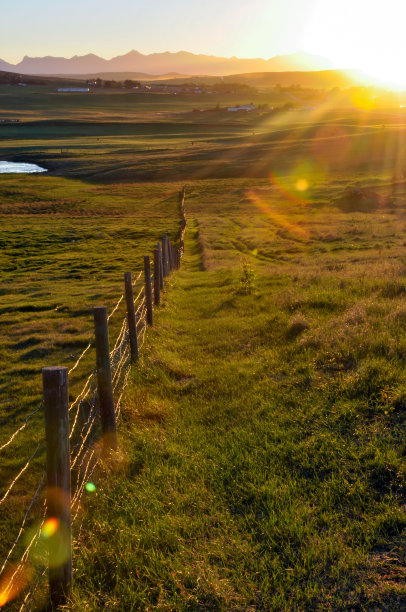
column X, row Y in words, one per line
column 147, row 54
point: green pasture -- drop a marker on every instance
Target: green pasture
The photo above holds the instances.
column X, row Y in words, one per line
column 64, row 248
column 157, row 144
column 261, row 462
column 119, row 105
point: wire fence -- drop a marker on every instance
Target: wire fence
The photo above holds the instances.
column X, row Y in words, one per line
column 85, row 432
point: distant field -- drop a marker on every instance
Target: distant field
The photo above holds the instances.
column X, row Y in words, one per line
column 284, row 339
column 118, row 105
column 122, row 137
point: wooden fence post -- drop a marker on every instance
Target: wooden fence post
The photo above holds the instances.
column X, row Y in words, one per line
column 172, row 266
column 157, row 277
column 161, row 268
column 165, row 254
column 168, row 246
column 168, row 257
column 131, row 317
column 148, row 289
column 56, row 407
column 104, row 384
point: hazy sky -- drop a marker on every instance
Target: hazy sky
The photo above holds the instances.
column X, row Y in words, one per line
column 360, row 33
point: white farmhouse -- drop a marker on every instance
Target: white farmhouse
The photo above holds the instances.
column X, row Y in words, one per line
column 245, row 107
column 73, row 90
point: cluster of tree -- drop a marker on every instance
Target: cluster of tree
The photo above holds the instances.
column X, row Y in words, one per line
column 127, row 84
column 10, row 78
column 230, row 87
column 217, row 88
column 260, row 108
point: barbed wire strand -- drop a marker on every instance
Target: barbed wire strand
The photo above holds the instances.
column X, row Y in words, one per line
column 116, row 307
column 10, row 552
column 122, row 340
column 33, row 590
column 20, row 473
column 84, row 395
column 88, row 422
column 83, row 392
column 137, row 279
column 25, row 554
column 79, row 491
column 120, row 363
column 23, row 426
column 80, row 357
column 83, row 441
column 125, row 383
column 120, row 336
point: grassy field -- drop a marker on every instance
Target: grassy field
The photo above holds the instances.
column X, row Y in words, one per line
column 64, row 249
column 262, row 451
column 261, row 461
column 122, row 137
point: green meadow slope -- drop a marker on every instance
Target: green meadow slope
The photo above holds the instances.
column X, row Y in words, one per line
column 261, row 462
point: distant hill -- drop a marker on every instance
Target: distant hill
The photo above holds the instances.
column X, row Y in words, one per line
column 312, row 79
column 318, row 79
column 5, row 67
column 181, row 62
column 13, row 78
column 122, row 76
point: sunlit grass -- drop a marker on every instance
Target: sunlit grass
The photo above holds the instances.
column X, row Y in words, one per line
column 64, row 249
column 263, row 433
column 264, row 428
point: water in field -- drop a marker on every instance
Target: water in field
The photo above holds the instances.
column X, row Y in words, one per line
column 12, row 167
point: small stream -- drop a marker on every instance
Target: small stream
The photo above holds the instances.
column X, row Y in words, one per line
column 18, row 167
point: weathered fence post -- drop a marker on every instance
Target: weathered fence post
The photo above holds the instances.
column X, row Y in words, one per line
column 168, row 257
column 171, row 260
column 168, row 246
column 104, row 384
column 161, row 268
column 148, row 289
column 56, row 407
column 165, row 255
column 157, row 277
column 131, row 317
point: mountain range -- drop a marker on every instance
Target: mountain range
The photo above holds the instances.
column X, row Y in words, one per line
column 181, row 62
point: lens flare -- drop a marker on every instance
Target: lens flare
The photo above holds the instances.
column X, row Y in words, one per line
column 276, row 216
column 13, row 582
column 90, row 487
column 297, row 183
column 363, row 99
column 302, row 185
column 49, row 528
column 331, row 146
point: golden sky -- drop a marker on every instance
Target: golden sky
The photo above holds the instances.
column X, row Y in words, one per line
column 362, row 34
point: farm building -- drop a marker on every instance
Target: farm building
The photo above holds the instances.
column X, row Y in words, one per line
column 246, row 107
column 73, row 90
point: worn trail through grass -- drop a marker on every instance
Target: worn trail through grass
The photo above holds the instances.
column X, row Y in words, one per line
column 243, row 483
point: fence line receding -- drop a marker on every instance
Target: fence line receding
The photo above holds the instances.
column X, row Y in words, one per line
column 79, row 434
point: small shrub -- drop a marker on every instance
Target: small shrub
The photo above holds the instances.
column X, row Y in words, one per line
column 397, row 316
column 296, row 326
column 336, row 361
column 393, row 289
column 247, row 279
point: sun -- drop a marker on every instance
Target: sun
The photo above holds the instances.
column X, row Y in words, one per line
column 364, row 35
